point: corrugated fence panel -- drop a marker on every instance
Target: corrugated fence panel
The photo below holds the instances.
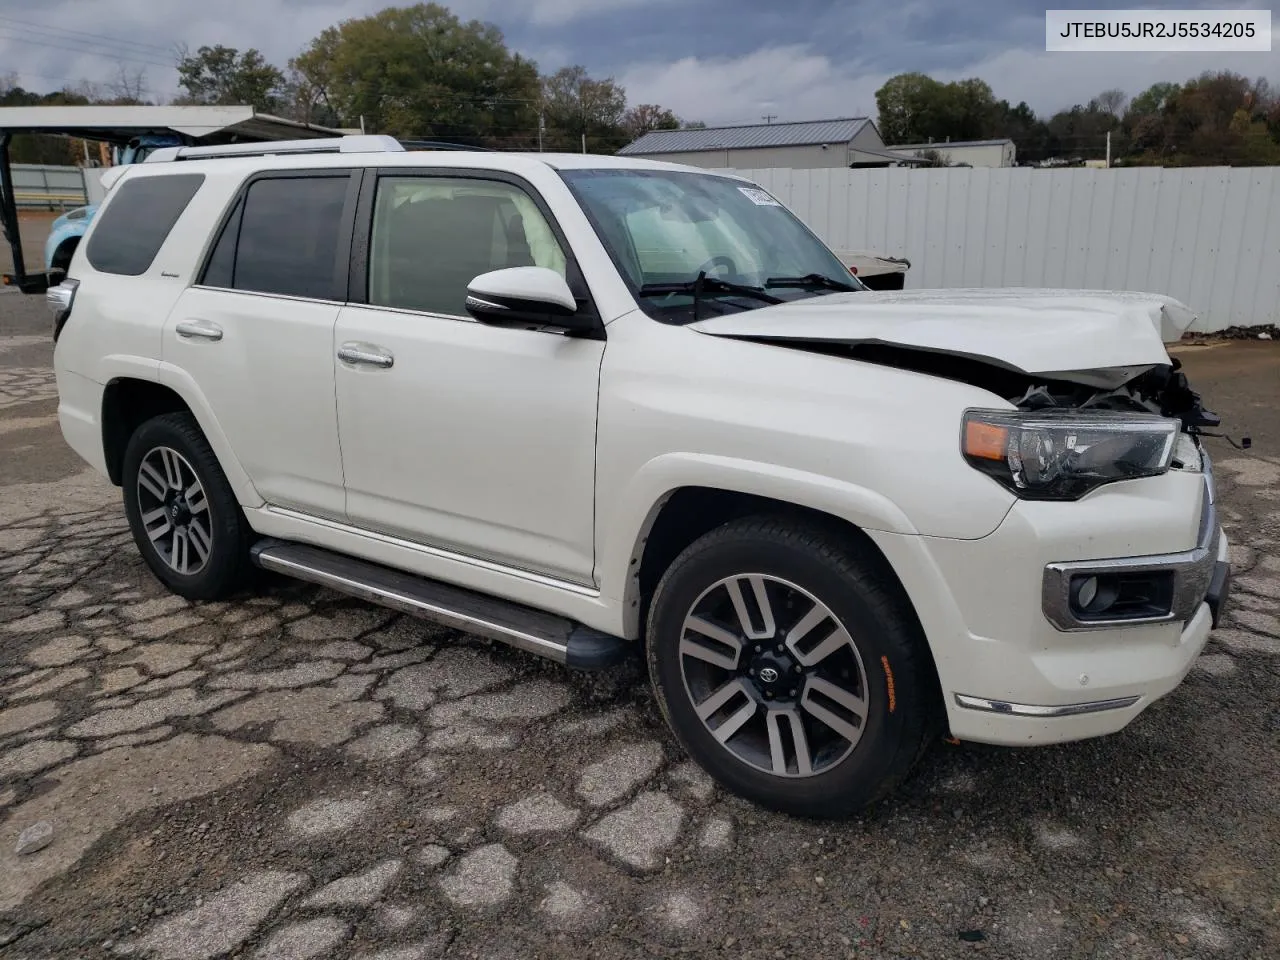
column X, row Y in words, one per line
column 1208, row 236
column 43, row 185
column 1263, row 201
column 1268, row 278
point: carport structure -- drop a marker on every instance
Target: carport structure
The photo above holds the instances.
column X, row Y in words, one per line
column 122, row 127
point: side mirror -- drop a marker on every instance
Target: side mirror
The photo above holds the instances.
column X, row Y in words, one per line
column 524, row 295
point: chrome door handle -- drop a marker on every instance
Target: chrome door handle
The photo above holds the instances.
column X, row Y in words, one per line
column 365, row 354
column 199, row 330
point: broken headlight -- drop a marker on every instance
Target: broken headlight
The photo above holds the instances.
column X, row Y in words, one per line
column 1063, row 454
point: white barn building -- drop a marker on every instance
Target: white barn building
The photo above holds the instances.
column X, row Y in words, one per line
column 973, row 153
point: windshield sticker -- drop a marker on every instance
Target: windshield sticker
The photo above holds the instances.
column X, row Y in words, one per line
column 759, row 197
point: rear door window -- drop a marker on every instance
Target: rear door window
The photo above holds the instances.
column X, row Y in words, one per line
column 283, row 238
column 134, row 225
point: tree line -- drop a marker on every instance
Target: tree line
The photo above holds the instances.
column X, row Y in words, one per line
column 416, row 72
column 1216, row 118
column 420, row 72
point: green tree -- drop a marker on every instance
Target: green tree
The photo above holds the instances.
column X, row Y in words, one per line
column 913, row 107
column 421, row 72
column 1216, row 118
column 225, row 76
column 970, row 109
column 1154, row 100
column 910, row 108
column 576, row 105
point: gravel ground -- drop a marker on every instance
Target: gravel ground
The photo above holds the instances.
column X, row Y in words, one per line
column 296, row 775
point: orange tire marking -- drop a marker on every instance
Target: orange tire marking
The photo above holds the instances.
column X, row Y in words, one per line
column 888, row 679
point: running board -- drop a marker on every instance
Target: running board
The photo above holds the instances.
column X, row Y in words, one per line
column 522, row 627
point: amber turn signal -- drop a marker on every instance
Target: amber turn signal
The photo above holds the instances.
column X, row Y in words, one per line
column 986, row 441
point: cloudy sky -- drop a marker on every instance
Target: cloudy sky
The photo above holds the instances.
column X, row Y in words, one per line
column 720, row 61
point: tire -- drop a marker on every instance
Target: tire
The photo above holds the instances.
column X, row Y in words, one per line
column 866, row 648
column 62, row 256
column 201, row 545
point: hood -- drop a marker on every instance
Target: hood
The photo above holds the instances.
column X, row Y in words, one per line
column 1096, row 337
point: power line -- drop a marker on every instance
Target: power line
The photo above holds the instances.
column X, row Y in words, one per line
column 106, row 55
column 149, row 47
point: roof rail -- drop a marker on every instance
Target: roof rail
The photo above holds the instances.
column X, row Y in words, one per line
column 355, row 143
column 442, row 145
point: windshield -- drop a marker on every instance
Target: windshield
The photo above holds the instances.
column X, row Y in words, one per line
column 663, row 227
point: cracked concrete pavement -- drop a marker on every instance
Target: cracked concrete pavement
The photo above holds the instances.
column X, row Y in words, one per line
column 295, row 774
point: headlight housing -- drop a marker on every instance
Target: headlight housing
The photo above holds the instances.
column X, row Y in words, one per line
column 1063, row 454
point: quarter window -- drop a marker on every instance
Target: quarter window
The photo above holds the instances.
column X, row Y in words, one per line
column 432, row 236
column 283, row 238
column 137, row 220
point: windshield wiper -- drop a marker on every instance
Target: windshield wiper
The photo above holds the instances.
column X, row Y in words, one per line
column 811, row 280
column 702, row 284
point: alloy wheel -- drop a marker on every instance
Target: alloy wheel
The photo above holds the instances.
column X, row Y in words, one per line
column 773, row 675
column 174, row 510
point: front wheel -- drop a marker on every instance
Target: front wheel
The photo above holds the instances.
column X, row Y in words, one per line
column 789, row 668
column 182, row 511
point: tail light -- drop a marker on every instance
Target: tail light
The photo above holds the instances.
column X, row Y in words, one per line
column 60, row 299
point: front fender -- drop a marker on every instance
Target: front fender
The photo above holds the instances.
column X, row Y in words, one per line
column 67, row 231
column 632, row 513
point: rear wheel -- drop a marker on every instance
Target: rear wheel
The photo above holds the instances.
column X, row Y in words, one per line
column 789, row 668
column 183, row 514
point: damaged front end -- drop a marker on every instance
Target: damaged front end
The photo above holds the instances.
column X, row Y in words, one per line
column 1069, row 432
column 1162, row 389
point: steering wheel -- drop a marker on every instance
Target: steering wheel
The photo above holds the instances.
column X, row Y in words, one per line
column 720, row 261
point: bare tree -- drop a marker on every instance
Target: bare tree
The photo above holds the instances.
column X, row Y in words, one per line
column 1112, row 102
column 128, row 86
column 86, row 91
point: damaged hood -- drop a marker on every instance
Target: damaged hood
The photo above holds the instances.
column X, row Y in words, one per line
column 1087, row 336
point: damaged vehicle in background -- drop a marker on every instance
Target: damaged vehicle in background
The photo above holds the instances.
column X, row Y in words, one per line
column 877, row 271
column 592, row 406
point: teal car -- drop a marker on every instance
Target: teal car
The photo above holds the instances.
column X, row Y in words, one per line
column 64, row 236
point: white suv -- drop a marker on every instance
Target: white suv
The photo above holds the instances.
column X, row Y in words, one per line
column 589, row 405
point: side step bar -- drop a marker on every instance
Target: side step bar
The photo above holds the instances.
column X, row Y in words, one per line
column 522, row 627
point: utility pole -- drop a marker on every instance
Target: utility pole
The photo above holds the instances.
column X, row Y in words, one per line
column 584, row 143
column 770, row 117
column 542, row 126
column 1108, row 149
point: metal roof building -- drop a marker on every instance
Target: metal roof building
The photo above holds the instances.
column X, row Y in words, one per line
column 811, row 144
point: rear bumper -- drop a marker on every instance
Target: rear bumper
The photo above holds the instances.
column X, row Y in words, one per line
column 80, row 417
column 1015, row 667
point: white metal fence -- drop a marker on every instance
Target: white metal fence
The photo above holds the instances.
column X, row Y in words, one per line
column 48, row 186
column 1208, row 236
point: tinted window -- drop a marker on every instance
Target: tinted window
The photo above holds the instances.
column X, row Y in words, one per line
column 433, row 236
column 220, row 270
column 288, row 241
column 136, row 221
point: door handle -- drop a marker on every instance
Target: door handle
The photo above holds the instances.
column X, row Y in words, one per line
column 199, row 330
column 363, row 353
